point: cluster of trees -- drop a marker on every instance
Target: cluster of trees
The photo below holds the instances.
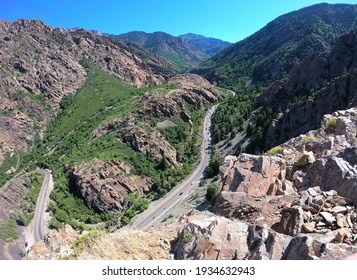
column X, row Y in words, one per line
column 231, row 115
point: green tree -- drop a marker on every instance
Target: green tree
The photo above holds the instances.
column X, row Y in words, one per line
column 213, row 167
column 212, row 192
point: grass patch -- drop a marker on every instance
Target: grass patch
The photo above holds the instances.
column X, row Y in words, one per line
column 308, row 139
column 331, row 125
column 8, row 231
column 187, row 238
column 273, row 151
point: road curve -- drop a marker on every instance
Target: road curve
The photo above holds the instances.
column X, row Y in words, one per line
column 37, row 231
column 178, row 193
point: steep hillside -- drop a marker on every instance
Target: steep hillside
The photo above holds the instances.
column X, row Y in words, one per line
column 40, row 65
column 209, row 46
column 256, row 120
column 113, row 147
column 176, row 49
column 270, row 53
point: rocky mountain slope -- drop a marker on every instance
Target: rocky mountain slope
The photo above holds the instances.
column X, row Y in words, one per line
column 105, row 183
column 319, row 85
column 181, row 51
column 270, row 53
column 40, row 65
column 209, row 46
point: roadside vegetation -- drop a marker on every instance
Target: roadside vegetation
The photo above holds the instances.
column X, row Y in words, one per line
column 28, row 202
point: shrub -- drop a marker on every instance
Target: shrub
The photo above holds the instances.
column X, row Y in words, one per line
column 212, row 192
column 331, row 125
column 187, row 238
column 213, row 167
column 273, row 151
column 8, row 231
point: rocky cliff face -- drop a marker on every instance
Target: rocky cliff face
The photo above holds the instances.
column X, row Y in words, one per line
column 104, row 185
column 41, row 64
column 323, row 157
column 317, row 86
column 209, row 237
column 306, row 194
column 187, row 89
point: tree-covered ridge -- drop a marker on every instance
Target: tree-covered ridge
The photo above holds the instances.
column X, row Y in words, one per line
column 270, row 53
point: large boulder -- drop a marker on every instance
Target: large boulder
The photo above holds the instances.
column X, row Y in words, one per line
column 255, row 175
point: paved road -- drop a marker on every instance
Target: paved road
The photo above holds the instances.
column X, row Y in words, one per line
column 159, row 208
column 37, row 232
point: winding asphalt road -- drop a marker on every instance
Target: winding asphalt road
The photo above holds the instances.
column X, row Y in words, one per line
column 37, row 232
column 178, row 193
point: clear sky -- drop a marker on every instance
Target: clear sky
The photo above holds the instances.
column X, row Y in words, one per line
column 230, row 20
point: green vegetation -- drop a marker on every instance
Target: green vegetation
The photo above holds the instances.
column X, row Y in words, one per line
column 331, row 125
column 262, row 59
column 134, row 205
column 213, row 167
column 86, row 241
column 167, row 217
column 212, row 192
column 308, row 139
column 8, row 231
column 187, row 238
column 273, row 151
column 179, row 61
column 28, row 202
column 10, row 160
column 232, row 114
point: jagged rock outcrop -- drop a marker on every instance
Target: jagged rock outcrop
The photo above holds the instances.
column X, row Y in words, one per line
column 211, row 238
column 56, row 245
column 318, row 220
column 254, row 210
column 141, row 137
column 321, row 84
column 322, row 158
column 255, row 175
column 187, row 88
column 104, row 185
column 205, row 237
column 322, row 212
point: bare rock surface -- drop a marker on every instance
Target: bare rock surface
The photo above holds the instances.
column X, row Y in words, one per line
column 256, row 175
column 322, row 157
column 187, row 88
column 104, row 185
column 205, row 236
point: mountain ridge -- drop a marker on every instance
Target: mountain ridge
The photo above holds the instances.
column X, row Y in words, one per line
column 270, row 53
column 186, row 52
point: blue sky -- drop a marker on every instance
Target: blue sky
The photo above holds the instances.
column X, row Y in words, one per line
column 230, row 20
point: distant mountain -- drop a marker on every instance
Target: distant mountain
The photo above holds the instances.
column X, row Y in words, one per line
column 270, row 53
column 209, row 46
column 185, row 51
column 177, row 50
